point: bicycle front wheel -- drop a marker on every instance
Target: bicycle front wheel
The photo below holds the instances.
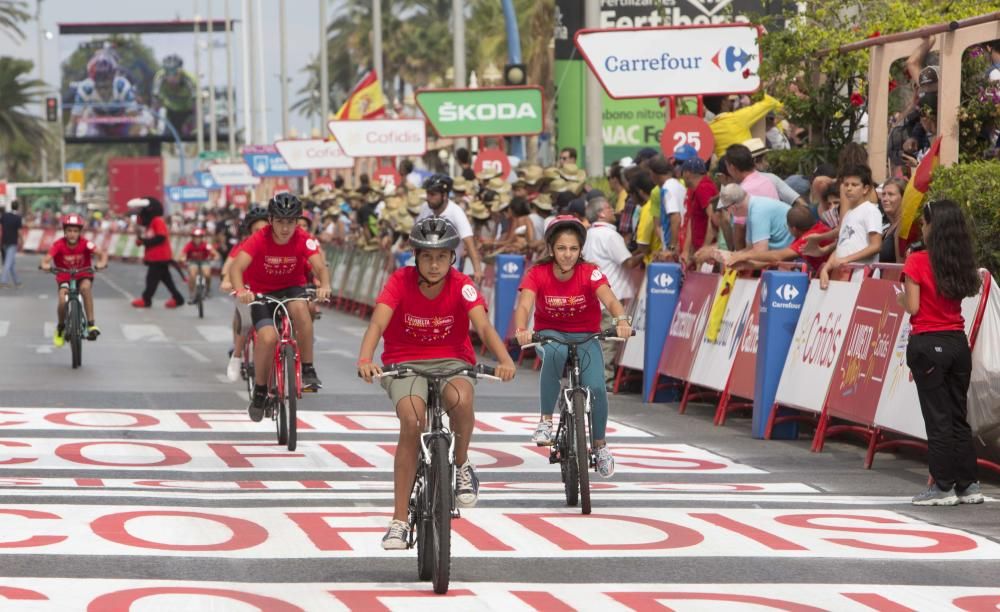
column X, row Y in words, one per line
column 440, row 494
column 582, row 452
column 200, row 298
column 74, row 333
column 291, row 396
column 567, row 455
column 248, row 364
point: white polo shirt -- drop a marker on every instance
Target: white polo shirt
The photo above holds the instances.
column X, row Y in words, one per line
column 606, row 249
column 454, row 213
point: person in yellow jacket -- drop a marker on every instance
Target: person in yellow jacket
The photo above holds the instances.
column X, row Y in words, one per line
column 733, row 127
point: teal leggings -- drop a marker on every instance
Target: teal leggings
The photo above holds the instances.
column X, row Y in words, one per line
column 591, row 375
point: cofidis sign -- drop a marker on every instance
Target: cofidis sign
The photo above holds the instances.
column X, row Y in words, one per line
column 495, row 111
column 651, row 62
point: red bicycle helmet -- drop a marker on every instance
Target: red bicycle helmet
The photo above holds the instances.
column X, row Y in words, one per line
column 72, row 219
column 563, row 222
column 198, row 232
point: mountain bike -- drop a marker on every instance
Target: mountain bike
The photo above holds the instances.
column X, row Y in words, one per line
column 76, row 315
column 285, row 379
column 573, row 443
column 200, row 291
column 432, row 500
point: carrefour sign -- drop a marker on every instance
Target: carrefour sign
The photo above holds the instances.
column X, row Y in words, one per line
column 494, row 111
column 673, row 61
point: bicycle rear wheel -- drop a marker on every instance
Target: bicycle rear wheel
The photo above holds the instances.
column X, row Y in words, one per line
column 422, row 521
column 440, row 494
column 291, row 394
column 582, row 453
column 74, row 333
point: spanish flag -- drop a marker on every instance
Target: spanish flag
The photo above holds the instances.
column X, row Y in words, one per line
column 913, row 197
column 365, row 100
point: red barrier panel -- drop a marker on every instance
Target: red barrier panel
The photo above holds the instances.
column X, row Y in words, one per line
column 742, row 377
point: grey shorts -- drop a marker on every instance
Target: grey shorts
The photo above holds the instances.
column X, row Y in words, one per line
column 398, row 388
column 243, row 313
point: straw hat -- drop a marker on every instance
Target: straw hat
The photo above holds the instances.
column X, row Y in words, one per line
column 756, row 146
column 542, row 201
column 498, row 185
column 550, row 173
column 460, row 185
column 487, row 173
column 502, row 203
column 403, row 221
column 572, row 173
column 394, row 203
column 531, row 174
column 478, row 210
column 557, row 184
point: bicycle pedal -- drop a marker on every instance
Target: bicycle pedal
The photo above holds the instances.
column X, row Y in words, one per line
column 555, row 457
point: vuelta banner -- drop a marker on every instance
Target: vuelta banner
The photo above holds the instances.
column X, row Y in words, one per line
column 819, row 336
column 688, row 325
column 743, row 374
column 898, row 404
column 714, row 360
column 868, row 346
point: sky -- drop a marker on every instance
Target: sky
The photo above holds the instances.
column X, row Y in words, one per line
column 301, row 25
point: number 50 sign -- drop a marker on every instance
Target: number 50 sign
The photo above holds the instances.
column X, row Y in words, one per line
column 687, row 130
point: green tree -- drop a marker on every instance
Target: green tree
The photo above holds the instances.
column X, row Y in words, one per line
column 12, row 14
column 18, row 93
column 803, row 56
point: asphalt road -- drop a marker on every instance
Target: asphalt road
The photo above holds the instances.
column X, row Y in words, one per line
column 139, row 478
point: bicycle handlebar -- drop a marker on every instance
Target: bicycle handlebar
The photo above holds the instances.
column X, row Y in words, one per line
column 538, row 340
column 71, row 271
column 480, row 371
column 262, row 299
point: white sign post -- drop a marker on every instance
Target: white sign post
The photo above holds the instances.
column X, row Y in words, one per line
column 674, row 61
column 233, row 174
column 313, row 154
column 380, row 137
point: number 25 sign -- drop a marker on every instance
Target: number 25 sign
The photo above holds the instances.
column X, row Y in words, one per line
column 687, row 129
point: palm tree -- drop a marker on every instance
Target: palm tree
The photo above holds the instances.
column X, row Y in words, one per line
column 12, row 15
column 17, row 94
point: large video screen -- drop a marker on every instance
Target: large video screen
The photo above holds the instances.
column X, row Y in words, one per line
column 131, row 81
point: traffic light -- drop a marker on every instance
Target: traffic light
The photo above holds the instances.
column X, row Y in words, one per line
column 515, row 74
column 52, row 109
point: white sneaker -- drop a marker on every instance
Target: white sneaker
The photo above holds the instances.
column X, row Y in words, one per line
column 397, row 537
column 605, row 462
column 233, row 369
column 543, row 433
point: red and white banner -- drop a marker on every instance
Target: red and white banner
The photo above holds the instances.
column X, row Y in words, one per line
column 313, row 154
column 743, row 377
column 816, row 345
column 714, row 360
column 688, row 326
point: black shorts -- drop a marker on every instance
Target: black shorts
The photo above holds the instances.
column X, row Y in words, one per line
column 263, row 314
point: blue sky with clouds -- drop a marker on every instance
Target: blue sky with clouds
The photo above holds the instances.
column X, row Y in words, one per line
column 302, row 28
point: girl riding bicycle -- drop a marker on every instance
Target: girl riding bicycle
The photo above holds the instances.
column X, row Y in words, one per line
column 565, row 290
column 70, row 252
column 198, row 254
column 423, row 316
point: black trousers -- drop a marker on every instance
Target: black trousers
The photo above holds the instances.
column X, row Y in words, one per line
column 941, row 363
column 157, row 271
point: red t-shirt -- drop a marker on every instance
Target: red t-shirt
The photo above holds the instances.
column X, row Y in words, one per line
column 696, row 204
column 278, row 266
column 422, row 328
column 76, row 256
column 937, row 313
column 815, row 263
column 570, row 306
column 198, row 252
column 162, row 251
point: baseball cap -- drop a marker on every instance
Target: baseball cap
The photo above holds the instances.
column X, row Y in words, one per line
column 594, row 194
column 577, row 207
column 928, row 76
column 684, row 153
column 696, row 165
column 645, row 153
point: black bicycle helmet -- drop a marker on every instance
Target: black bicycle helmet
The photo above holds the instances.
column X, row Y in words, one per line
column 172, row 63
column 434, row 233
column 255, row 214
column 439, row 182
column 285, row 206
column 565, row 222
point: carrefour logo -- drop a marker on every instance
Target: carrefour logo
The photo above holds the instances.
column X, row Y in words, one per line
column 663, row 283
column 787, row 292
column 731, row 59
column 510, row 267
column 451, row 112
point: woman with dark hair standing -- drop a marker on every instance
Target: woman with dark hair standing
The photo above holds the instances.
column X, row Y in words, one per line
column 937, row 278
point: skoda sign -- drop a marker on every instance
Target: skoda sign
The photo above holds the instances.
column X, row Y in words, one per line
column 673, row 61
column 495, row 111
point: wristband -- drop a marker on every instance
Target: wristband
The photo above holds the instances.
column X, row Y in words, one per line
column 363, row 361
column 519, row 330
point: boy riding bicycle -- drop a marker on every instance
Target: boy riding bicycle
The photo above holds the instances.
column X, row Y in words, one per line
column 423, row 316
column 198, row 254
column 277, row 258
column 70, row 252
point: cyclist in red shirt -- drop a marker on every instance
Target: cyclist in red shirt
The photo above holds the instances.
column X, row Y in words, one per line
column 423, row 317
column 71, row 251
column 198, row 254
column 566, row 293
column 277, row 258
column 256, row 218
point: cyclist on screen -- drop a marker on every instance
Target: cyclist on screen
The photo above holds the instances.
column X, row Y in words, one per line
column 565, row 290
column 277, row 257
column 423, row 316
column 71, row 251
column 198, row 254
column 256, row 219
column 104, row 102
column 173, row 95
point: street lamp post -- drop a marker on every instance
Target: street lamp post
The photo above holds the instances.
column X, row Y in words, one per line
column 213, row 137
column 44, row 157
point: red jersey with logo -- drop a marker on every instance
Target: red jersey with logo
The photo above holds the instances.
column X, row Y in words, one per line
column 162, row 251
column 937, row 313
column 75, row 256
column 422, row 328
column 799, row 244
column 566, row 306
column 198, row 252
column 278, row 266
